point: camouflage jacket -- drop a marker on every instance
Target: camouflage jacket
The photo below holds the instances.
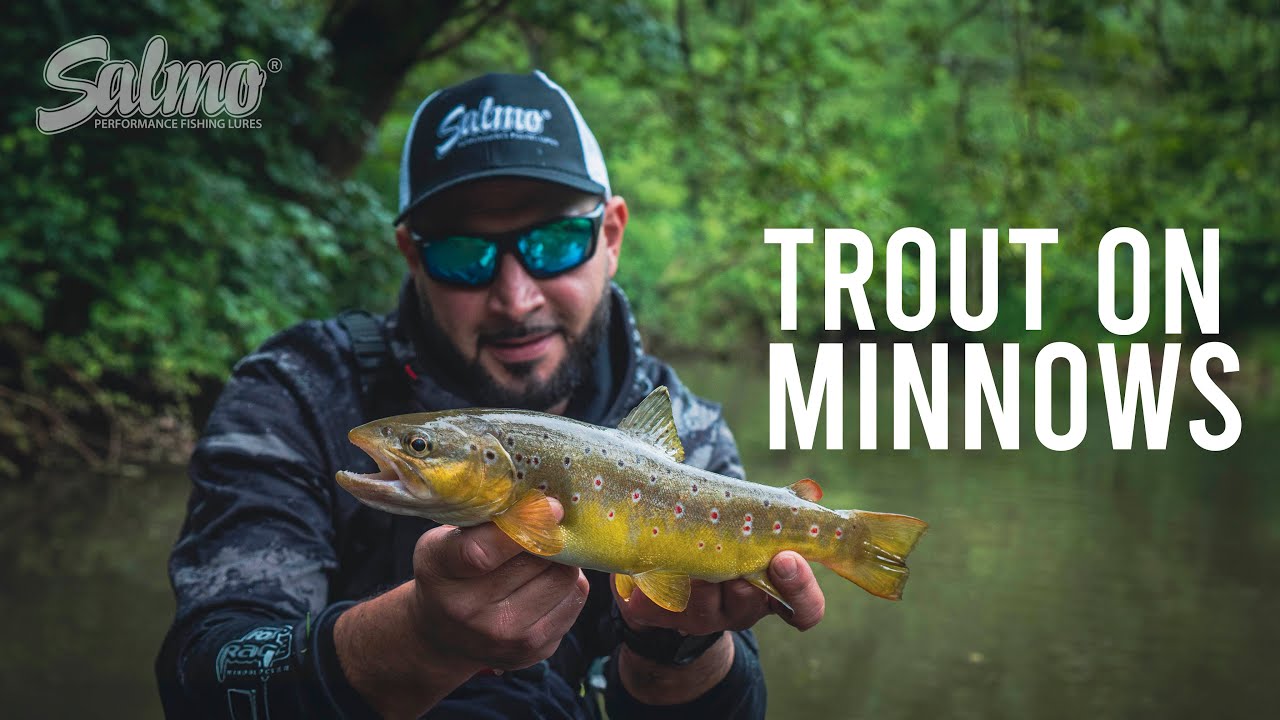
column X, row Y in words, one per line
column 272, row 551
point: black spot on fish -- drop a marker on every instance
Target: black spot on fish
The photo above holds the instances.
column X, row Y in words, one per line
column 622, row 463
column 520, row 475
column 566, row 461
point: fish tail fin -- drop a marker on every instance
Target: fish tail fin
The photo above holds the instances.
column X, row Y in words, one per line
column 873, row 556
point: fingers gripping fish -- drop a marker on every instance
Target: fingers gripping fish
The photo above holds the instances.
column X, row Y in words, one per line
column 631, row 507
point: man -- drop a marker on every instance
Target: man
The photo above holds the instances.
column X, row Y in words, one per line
column 296, row 601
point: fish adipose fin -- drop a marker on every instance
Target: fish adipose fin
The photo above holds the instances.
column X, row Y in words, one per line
column 668, row 590
column 761, row 581
column 625, row 585
column 532, row 523
column 651, row 421
column 806, row 489
column 874, row 556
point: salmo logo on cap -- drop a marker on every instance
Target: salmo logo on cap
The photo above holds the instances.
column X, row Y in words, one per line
column 157, row 90
column 489, row 121
column 498, row 125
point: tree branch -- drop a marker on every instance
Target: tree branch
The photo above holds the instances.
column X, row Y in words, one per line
column 466, row 33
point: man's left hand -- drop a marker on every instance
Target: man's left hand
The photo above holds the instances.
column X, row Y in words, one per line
column 736, row 604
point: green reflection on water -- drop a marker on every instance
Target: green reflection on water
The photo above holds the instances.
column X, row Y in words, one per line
column 1093, row 583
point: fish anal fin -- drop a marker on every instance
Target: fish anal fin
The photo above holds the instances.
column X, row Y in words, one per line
column 760, row 580
column 668, row 590
column 624, row 585
column 652, row 422
column 806, row 489
column 532, row 523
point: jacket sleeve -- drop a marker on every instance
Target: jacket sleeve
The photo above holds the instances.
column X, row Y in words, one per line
column 253, row 630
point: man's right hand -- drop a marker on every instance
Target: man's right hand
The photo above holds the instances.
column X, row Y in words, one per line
column 477, row 601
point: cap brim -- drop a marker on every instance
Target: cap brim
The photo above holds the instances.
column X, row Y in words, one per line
column 560, row 177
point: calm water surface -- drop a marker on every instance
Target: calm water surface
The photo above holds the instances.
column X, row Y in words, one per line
column 1089, row 584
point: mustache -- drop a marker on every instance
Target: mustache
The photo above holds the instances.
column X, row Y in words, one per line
column 516, row 332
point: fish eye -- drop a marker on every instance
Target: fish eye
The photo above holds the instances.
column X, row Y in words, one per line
column 420, row 445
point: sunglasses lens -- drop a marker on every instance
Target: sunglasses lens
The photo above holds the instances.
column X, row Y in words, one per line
column 557, row 247
column 460, row 259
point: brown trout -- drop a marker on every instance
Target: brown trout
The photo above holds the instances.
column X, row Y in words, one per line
column 630, row 506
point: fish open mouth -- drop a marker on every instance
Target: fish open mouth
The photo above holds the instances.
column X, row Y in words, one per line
column 384, row 489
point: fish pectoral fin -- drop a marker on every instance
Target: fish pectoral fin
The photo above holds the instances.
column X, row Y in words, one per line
column 761, row 581
column 668, row 589
column 651, row 422
column 806, row 489
column 624, row 585
column 532, row 524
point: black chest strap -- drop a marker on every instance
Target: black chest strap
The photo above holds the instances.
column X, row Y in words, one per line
column 372, row 352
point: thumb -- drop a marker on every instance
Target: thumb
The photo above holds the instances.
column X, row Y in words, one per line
column 794, row 579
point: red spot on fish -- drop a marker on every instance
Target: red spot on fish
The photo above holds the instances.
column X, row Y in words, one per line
column 635, row 496
column 701, row 544
column 679, row 510
column 655, row 531
column 794, row 510
column 719, row 547
column 839, row 533
column 598, row 482
column 576, row 497
column 542, row 487
column 777, row 528
column 694, row 487
column 746, row 529
column 715, row 515
column 813, row 530
column 536, row 461
column 610, row 514
column 747, row 517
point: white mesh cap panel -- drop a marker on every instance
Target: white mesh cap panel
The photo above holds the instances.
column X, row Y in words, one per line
column 591, row 154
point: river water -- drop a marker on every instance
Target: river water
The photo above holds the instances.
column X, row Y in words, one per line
column 1093, row 583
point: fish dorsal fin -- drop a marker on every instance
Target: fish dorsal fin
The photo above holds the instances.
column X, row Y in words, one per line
column 651, row 422
column 806, row 489
column 667, row 589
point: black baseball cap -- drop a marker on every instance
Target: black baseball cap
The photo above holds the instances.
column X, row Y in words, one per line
column 498, row 125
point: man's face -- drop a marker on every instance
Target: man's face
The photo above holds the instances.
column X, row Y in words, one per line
column 521, row 341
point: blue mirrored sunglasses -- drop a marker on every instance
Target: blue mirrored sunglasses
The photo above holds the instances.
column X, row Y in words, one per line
column 544, row 250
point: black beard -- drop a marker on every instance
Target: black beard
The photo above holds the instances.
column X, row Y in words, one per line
column 479, row 386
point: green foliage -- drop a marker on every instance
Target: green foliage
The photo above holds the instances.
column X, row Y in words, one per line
column 720, row 119
column 141, row 264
